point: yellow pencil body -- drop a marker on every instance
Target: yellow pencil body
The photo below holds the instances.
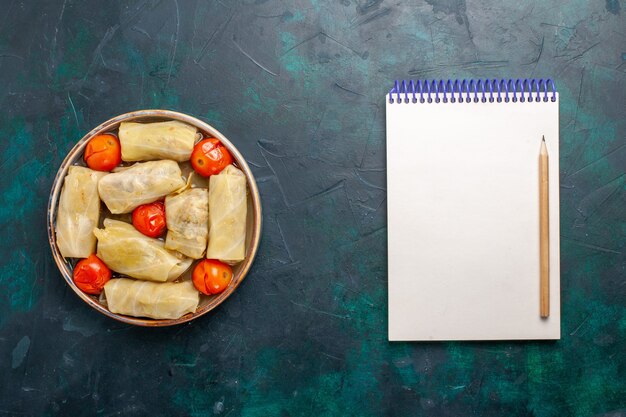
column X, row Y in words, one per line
column 544, row 231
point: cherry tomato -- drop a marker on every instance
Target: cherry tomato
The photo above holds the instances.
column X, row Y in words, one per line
column 149, row 219
column 103, row 153
column 90, row 275
column 210, row 157
column 211, row 276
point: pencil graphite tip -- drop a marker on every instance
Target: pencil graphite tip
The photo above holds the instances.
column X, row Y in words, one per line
column 543, row 138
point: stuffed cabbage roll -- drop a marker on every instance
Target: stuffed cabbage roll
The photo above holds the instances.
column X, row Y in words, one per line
column 227, row 215
column 140, row 184
column 79, row 211
column 162, row 140
column 187, row 217
column 127, row 251
column 167, row 300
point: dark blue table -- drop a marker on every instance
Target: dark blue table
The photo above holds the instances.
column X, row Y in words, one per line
column 299, row 88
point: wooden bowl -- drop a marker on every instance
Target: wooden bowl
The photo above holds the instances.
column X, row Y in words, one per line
column 253, row 223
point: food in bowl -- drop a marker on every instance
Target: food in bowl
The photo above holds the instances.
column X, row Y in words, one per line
column 137, row 224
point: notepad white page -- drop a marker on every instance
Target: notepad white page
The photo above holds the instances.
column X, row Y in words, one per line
column 463, row 220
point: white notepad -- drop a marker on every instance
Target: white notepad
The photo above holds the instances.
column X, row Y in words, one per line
column 463, row 210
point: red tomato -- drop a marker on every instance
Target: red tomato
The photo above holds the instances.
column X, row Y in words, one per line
column 211, row 276
column 90, row 275
column 210, row 157
column 149, row 219
column 103, row 153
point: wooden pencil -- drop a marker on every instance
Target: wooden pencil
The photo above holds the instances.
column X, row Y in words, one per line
column 544, row 231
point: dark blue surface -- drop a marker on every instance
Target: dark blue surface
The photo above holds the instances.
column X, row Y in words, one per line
column 299, row 87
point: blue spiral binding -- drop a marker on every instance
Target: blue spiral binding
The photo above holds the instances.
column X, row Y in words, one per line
column 454, row 90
